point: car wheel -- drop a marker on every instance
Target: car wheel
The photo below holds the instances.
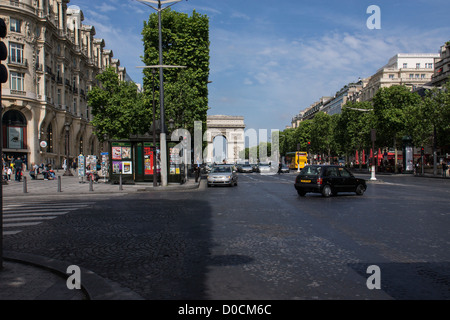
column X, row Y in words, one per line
column 360, row 190
column 326, row 191
column 301, row 193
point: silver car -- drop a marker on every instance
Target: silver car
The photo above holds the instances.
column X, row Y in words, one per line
column 222, row 175
column 265, row 168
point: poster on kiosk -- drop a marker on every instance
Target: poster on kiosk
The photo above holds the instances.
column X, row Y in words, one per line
column 81, row 167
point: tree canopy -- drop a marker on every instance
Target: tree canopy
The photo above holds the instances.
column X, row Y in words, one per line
column 394, row 112
column 185, row 42
column 118, row 108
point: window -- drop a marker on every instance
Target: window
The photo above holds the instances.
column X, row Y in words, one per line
column 17, row 81
column 429, row 65
column 411, row 76
column 75, row 105
column 16, row 53
column 391, row 76
column 405, row 65
column 14, row 25
column 422, row 76
column 344, row 173
column 14, row 124
column 59, row 96
column 417, row 65
column 417, row 76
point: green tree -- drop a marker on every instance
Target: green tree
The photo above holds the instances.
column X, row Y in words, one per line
column 185, row 42
column 429, row 121
column 352, row 127
column 117, row 107
column 321, row 134
column 392, row 107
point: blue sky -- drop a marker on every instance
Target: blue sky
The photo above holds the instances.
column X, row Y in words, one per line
column 271, row 59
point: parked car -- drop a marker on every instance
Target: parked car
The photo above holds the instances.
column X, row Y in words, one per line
column 328, row 180
column 222, row 175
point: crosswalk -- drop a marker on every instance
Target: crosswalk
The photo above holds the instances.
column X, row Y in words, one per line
column 18, row 216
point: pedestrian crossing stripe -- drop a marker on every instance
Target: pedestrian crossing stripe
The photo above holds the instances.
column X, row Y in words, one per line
column 17, row 216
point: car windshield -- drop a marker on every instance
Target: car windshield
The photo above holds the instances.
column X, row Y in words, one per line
column 311, row 171
column 221, row 170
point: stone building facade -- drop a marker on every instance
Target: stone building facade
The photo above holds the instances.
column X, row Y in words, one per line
column 53, row 60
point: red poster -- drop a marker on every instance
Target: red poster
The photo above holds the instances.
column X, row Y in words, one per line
column 148, row 161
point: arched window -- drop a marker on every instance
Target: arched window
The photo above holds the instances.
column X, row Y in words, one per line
column 14, row 130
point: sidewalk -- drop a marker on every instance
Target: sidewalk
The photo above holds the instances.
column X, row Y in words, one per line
column 72, row 185
column 31, row 277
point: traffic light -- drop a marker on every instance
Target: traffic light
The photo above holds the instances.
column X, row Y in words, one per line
column 3, row 53
column 422, row 151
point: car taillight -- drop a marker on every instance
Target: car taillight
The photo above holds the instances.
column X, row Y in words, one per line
column 319, row 180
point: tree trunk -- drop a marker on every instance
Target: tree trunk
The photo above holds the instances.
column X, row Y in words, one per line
column 396, row 155
column 434, row 151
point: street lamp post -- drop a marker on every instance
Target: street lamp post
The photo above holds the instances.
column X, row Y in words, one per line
column 162, row 137
column 155, row 174
column 67, row 172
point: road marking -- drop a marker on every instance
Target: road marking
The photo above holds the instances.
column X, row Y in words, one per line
column 16, row 216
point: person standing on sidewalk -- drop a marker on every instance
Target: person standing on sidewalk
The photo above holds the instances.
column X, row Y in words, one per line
column 444, row 168
column 18, row 166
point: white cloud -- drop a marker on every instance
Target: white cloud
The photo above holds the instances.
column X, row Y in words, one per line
column 291, row 74
column 104, row 7
column 240, row 15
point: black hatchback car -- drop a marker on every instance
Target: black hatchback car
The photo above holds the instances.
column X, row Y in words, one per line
column 328, row 180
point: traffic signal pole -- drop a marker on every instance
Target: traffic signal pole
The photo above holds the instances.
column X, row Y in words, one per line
column 3, row 79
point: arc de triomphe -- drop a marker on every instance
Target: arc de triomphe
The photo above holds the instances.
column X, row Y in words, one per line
column 232, row 129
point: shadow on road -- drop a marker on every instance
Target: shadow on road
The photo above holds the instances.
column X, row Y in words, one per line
column 158, row 247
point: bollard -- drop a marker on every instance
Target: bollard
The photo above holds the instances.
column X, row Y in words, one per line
column 120, row 183
column 91, row 187
column 24, row 184
column 59, row 183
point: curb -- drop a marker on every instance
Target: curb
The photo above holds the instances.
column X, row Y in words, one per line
column 98, row 190
column 94, row 286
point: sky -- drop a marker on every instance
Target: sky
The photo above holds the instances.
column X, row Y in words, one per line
column 269, row 60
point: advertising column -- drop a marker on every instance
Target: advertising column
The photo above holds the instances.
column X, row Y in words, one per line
column 81, row 168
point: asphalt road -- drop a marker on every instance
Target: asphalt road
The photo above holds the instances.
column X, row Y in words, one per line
column 259, row 241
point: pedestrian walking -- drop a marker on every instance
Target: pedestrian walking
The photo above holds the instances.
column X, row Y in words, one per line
column 8, row 173
column 18, row 166
column 279, row 167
